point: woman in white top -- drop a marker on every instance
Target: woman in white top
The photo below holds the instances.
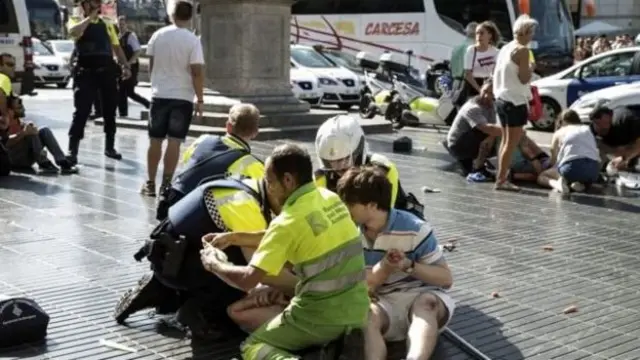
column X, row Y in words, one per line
column 575, row 152
column 479, row 60
column 511, row 79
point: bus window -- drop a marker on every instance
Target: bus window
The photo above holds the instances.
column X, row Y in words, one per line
column 462, row 12
column 8, row 21
column 321, row 7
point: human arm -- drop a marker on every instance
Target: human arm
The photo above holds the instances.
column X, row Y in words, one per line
column 76, row 27
column 555, row 147
column 378, row 274
column 520, row 57
column 4, row 111
column 469, row 59
column 196, row 61
column 476, row 117
column 115, row 45
column 133, row 41
column 241, row 239
column 243, row 278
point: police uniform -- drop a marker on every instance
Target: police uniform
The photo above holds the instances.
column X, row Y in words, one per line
column 127, row 87
column 399, row 199
column 210, row 156
column 94, row 71
column 230, row 204
column 315, row 234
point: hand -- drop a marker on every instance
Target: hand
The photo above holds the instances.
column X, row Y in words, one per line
column 126, row 73
column 209, row 260
column 198, row 109
column 619, row 163
column 395, row 260
column 31, row 129
column 268, row 296
column 219, row 240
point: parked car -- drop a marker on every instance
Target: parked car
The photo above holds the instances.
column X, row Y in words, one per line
column 341, row 86
column 561, row 90
column 62, row 48
column 49, row 68
column 613, row 97
column 305, row 86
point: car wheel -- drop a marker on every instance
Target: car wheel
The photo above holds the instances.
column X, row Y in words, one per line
column 550, row 111
column 345, row 107
column 62, row 85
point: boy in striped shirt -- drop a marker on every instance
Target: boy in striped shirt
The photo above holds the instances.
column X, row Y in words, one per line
column 407, row 272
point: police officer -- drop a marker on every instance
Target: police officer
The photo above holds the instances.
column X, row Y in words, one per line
column 230, row 204
column 127, row 87
column 340, row 144
column 94, row 70
column 215, row 156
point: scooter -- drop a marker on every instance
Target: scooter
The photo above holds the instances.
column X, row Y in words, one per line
column 375, row 96
column 411, row 105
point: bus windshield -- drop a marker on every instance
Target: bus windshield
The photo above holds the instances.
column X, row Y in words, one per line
column 45, row 19
column 554, row 35
column 310, row 58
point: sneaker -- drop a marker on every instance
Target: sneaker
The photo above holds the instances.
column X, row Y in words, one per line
column 578, row 187
column 148, row 189
column 201, row 325
column 67, row 167
column 560, row 185
column 143, row 296
column 47, row 167
column 477, row 176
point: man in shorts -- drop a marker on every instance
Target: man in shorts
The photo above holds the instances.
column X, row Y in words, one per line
column 407, row 272
column 176, row 64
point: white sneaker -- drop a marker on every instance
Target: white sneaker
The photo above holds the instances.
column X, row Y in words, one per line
column 560, row 185
column 578, row 187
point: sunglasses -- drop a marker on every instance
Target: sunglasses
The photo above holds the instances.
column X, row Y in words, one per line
column 10, row 64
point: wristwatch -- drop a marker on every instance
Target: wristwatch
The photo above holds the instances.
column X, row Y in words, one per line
column 412, row 266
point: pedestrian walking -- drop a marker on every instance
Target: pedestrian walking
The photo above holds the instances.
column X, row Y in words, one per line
column 95, row 71
column 127, row 87
column 176, row 65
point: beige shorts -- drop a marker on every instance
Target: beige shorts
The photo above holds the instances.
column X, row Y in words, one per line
column 397, row 306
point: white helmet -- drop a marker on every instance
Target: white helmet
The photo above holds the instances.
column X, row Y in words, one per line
column 340, row 143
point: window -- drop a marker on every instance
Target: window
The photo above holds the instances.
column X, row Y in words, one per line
column 321, row 7
column 457, row 14
column 8, row 21
column 63, row 46
column 310, row 58
column 612, row 65
column 40, row 49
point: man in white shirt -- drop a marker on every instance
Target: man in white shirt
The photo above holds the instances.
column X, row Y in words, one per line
column 176, row 64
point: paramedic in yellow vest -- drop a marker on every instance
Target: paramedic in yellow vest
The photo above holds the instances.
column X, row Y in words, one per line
column 96, row 40
column 315, row 234
column 340, row 145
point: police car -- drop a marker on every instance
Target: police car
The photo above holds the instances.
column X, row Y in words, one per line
column 561, row 90
column 305, row 86
column 341, row 86
column 612, row 97
column 48, row 67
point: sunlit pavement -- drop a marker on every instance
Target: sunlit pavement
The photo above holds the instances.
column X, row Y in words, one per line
column 68, row 242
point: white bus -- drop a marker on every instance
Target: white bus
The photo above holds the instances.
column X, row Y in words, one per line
column 431, row 28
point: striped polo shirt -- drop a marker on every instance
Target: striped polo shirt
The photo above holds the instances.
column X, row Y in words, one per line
column 405, row 232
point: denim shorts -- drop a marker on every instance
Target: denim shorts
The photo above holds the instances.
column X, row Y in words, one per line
column 582, row 170
column 511, row 115
column 170, row 118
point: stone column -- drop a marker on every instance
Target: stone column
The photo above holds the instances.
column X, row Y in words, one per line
column 246, row 50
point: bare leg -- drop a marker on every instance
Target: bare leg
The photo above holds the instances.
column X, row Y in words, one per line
column 483, row 152
column 249, row 317
column 375, row 346
column 428, row 312
column 546, row 176
column 510, row 140
column 154, row 153
column 171, row 155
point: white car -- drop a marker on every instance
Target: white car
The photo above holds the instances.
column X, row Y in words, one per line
column 305, row 86
column 62, row 48
column 561, row 90
column 613, row 97
column 49, row 68
column 340, row 86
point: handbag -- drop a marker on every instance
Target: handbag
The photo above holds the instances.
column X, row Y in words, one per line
column 460, row 95
column 535, row 105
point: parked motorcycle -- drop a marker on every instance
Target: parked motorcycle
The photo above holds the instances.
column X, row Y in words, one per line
column 375, row 96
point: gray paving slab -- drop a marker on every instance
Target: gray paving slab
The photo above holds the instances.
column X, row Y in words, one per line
column 68, row 242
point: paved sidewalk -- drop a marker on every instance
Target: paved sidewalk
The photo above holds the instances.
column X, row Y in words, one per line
column 68, row 242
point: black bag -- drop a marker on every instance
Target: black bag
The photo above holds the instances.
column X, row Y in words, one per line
column 461, row 94
column 21, row 321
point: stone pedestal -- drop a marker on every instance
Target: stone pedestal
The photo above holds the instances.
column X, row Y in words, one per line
column 246, row 50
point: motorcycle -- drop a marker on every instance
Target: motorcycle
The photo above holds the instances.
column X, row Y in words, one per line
column 375, row 96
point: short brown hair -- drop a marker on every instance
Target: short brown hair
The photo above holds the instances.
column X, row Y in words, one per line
column 183, row 11
column 568, row 117
column 492, row 29
column 244, row 119
column 365, row 185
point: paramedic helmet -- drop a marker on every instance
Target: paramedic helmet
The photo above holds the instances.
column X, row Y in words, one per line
column 340, row 143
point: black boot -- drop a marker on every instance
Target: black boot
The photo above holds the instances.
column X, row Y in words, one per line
column 109, row 147
column 74, row 145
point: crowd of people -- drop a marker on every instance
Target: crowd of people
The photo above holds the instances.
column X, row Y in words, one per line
column 494, row 98
column 589, row 46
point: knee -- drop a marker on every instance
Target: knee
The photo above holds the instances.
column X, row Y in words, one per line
column 45, row 131
column 426, row 302
column 235, row 313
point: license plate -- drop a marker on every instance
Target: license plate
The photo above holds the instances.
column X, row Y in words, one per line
column 55, row 74
column 310, row 96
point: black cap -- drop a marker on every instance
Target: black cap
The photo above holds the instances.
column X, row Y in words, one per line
column 598, row 110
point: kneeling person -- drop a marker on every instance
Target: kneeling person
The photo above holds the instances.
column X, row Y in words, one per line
column 618, row 137
column 407, row 271
column 315, row 234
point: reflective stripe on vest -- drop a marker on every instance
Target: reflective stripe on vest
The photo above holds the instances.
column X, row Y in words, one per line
column 331, row 260
column 264, row 351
